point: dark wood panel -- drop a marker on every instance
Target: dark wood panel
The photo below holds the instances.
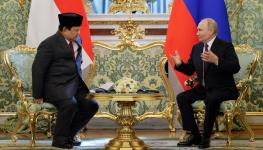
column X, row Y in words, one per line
column 101, row 31
column 155, row 32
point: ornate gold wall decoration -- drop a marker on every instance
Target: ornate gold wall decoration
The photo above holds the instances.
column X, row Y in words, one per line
column 128, row 32
column 128, row 6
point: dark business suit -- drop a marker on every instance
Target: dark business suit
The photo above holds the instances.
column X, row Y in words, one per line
column 56, row 77
column 219, row 84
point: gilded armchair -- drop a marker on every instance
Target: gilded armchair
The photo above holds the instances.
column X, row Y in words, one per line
column 18, row 62
column 232, row 109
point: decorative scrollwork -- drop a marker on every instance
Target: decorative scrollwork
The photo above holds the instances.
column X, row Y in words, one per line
column 128, row 32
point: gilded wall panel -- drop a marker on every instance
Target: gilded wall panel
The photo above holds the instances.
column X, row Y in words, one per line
column 13, row 24
column 233, row 8
column 247, row 28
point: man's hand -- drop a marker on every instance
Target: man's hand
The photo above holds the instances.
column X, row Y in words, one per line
column 38, row 101
column 176, row 58
column 209, row 56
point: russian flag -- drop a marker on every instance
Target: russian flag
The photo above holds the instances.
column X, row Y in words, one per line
column 43, row 22
column 182, row 27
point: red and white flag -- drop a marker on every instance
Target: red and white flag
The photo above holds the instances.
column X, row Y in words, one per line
column 43, row 22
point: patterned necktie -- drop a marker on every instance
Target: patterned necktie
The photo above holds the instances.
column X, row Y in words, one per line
column 203, row 80
column 72, row 49
column 206, row 47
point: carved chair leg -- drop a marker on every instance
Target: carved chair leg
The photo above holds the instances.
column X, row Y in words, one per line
column 32, row 125
column 229, row 122
column 242, row 119
column 49, row 132
column 18, row 126
column 170, row 123
column 170, row 117
column 179, row 117
column 217, row 122
column 168, row 114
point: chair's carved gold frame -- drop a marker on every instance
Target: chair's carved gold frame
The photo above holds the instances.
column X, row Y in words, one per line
column 168, row 112
column 243, row 87
column 24, row 112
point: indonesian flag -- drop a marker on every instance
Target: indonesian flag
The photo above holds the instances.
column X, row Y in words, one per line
column 43, row 22
column 182, row 27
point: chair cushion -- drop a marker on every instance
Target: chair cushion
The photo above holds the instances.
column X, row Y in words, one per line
column 33, row 107
column 224, row 106
column 198, row 105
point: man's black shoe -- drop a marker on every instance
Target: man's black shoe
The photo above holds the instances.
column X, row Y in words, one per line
column 76, row 140
column 62, row 142
column 64, row 145
column 190, row 140
column 205, row 143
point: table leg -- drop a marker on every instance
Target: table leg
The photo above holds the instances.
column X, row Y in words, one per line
column 126, row 138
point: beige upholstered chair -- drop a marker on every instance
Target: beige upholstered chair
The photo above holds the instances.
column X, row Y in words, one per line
column 19, row 61
column 248, row 58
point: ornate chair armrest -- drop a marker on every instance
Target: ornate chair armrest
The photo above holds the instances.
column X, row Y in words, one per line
column 191, row 81
column 17, row 86
column 23, row 102
column 243, row 87
column 243, row 83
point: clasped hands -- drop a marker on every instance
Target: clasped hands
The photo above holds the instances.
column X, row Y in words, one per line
column 207, row 56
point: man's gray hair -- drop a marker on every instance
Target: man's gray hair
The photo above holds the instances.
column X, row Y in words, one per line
column 211, row 23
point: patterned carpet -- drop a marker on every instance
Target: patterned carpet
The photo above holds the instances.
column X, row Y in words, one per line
column 155, row 144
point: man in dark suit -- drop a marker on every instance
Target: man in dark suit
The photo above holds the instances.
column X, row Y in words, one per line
column 57, row 79
column 214, row 62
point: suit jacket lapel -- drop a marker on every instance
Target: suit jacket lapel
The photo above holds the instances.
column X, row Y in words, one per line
column 64, row 45
column 199, row 50
column 215, row 46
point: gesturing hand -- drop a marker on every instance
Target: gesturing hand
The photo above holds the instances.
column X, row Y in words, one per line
column 176, row 58
column 209, row 56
